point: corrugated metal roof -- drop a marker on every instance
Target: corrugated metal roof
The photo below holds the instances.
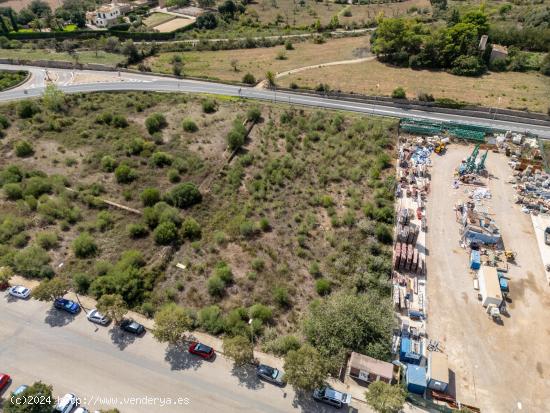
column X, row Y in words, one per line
column 371, row 365
column 416, row 375
column 439, row 367
column 489, row 276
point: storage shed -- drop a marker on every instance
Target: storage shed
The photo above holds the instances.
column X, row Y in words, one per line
column 410, row 351
column 368, row 369
column 489, row 286
column 475, row 260
column 438, row 371
column 416, row 379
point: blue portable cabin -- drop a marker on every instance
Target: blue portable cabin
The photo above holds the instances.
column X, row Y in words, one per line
column 416, row 379
column 475, row 260
column 406, row 352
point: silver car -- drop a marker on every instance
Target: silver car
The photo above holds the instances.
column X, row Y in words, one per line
column 96, row 317
column 332, row 397
column 66, row 404
column 19, row 291
column 271, row 374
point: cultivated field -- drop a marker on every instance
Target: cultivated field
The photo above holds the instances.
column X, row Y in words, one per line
column 515, row 90
column 495, row 366
column 217, row 64
column 173, row 25
column 157, row 18
column 279, row 225
column 292, row 13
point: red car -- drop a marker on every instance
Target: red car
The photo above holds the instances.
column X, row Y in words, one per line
column 201, row 350
column 4, row 381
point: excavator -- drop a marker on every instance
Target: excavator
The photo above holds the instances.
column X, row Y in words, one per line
column 439, row 148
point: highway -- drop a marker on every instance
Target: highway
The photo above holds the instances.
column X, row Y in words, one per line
column 108, row 368
column 113, row 81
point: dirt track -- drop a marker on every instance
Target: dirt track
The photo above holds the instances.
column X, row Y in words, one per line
column 494, row 366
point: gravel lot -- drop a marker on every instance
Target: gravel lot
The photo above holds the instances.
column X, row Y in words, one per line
column 494, row 366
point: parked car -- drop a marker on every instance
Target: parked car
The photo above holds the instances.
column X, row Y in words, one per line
column 96, row 317
column 66, row 305
column 20, row 390
column 330, row 396
column 547, row 235
column 201, row 350
column 270, row 374
column 4, row 285
column 5, row 379
column 132, row 326
column 67, row 403
column 19, row 291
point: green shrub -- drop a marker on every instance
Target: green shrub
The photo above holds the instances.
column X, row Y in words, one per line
column 47, row 240
column 383, row 233
column 210, row 319
column 36, row 186
column 108, row 163
column 209, row 106
column 82, row 283
column 189, row 125
column 264, row 224
column 155, row 123
column 150, row 196
column 119, row 121
column 249, row 79
column 399, row 93
column 23, row 149
column 289, row 45
column 13, row 191
column 104, row 221
column 185, row 195
column 173, row 175
column 27, row 109
column 165, row 233
column 280, row 346
column 124, row 174
column 260, row 312
column 322, row 286
column 190, row 229
column 135, row 147
column 468, row 66
column 281, row 296
column 4, row 122
column 32, row 262
column 161, row 159
column 315, row 269
column 247, row 229
column 84, row 246
column 20, row 240
column 137, row 230
column 254, row 114
column 215, row 286
column 223, row 271
column 257, row 264
column 148, row 309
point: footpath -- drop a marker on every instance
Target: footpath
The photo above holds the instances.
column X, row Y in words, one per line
column 88, row 303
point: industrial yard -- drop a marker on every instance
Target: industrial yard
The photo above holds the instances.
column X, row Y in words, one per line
column 496, row 365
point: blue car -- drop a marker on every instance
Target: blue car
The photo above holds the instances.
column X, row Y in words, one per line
column 66, row 305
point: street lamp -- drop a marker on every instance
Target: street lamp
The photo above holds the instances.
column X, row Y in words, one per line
column 251, row 329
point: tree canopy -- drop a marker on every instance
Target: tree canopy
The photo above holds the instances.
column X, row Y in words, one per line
column 112, row 306
column 239, row 349
column 385, row 398
column 171, row 323
column 47, row 400
column 305, row 368
column 49, row 290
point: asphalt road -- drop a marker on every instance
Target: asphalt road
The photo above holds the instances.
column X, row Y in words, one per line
column 107, row 368
column 128, row 82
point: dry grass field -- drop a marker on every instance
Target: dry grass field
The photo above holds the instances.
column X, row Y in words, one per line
column 21, row 4
column 172, row 25
column 515, row 90
column 217, row 64
column 157, row 18
column 292, row 13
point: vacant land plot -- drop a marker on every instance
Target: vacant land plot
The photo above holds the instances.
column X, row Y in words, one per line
column 306, row 13
column 495, row 366
column 21, row 4
column 281, row 224
column 80, row 56
column 515, row 90
column 173, row 25
column 218, row 64
column 157, row 18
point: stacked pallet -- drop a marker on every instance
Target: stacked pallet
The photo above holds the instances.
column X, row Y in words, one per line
column 407, row 234
column 407, row 258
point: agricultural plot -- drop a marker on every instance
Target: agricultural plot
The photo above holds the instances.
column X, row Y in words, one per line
column 303, row 210
column 173, row 25
column 157, row 18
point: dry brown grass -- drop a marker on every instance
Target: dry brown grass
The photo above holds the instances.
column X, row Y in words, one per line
column 217, row 65
column 516, row 90
column 312, row 10
column 21, row 4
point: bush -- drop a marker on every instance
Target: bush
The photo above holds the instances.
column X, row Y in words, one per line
column 254, row 114
column 264, row 224
column 322, row 286
column 13, row 191
column 280, row 346
column 124, row 174
column 37, row 186
column 223, row 271
column 209, row 106
column 161, row 159
column 108, row 163
column 468, row 66
column 314, row 269
column 173, row 175
column 281, row 296
column 247, row 229
column 210, row 319
column 150, row 196
column 185, row 195
column 82, row 283
column 260, row 312
column 190, row 229
column 289, row 45
column 215, row 286
column 27, row 109
column 47, row 240
column 104, row 221
column 425, row 97
column 119, row 121
column 32, row 262
column 84, row 246
column 137, row 230
column 23, row 149
column 189, row 125
column 399, row 93
column 235, row 139
column 249, row 79
column 166, row 233
column 135, row 147
column 155, row 123
column 257, row 264
column 383, row 233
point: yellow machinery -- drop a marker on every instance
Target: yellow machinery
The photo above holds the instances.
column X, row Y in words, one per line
column 439, row 148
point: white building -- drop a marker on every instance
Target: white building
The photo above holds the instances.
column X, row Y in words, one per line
column 489, row 286
column 104, row 16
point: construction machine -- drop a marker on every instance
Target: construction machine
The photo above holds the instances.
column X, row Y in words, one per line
column 439, row 148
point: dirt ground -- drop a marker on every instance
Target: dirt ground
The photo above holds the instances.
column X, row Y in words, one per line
column 21, row 4
column 505, row 89
column 495, row 367
column 173, row 24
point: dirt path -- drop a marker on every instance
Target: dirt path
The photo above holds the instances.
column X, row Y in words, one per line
column 494, row 367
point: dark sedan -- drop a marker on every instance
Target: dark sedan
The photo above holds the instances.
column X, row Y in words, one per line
column 270, row 374
column 66, row 305
column 132, row 326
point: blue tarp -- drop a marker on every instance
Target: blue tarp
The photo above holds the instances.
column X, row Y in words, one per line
column 475, row 260
column 421, row 156
column 416, row 379
column 406, row 354
column 503, row 284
